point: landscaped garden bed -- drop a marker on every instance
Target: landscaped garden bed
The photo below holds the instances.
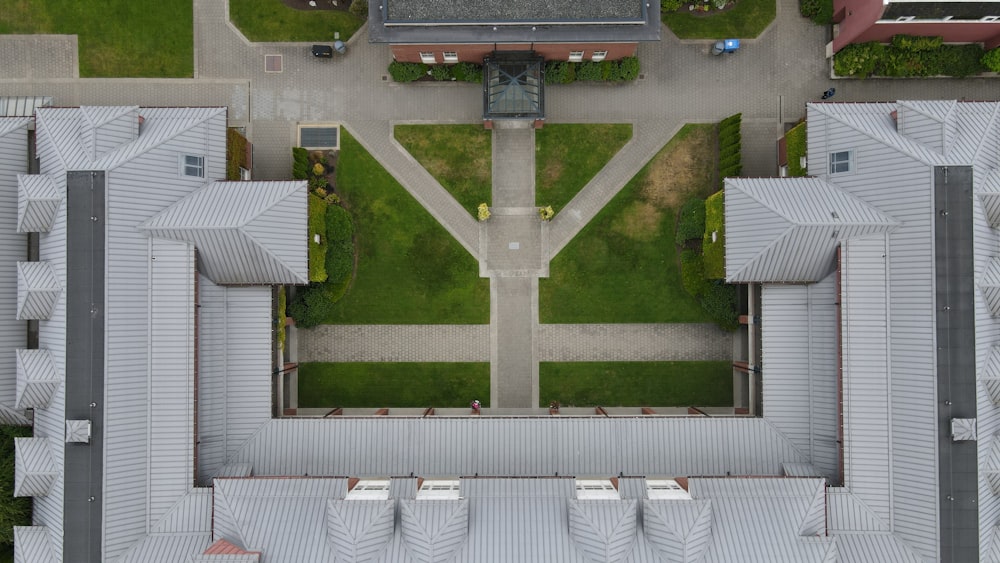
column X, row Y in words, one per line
column 116, row 37
column 400, row 385
column 409, row 268
column 910, row 56
column 636, row 384
column 458, row 156
column 623, row 267
column 567, row 156
column 717, row 19
column 795, row 150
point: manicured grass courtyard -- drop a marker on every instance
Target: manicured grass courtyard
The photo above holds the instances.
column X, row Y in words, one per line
column 568, row 155
column 623, row 266
column 636, row 384
column 377, row 385
column 746, row 20
column 795, row 149
column 458, row 156
column 116, row 37
column 409, row 269
column 272, row 21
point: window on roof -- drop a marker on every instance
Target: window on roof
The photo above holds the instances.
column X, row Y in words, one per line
column 575, row 56
column 590, row 489
column 192, row 165
column 841, row 161
column 450, row 56
column 369, row 489
column 438, row 489
column 427, row 58
column 598, row 56
column 990, row 18
column 665, row 489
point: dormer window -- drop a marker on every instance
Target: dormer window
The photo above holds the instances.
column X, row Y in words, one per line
column 841, row 161
column 193, row 165
column 596, row 489
column 665, row 489
column 439, row 489
column 369, row 489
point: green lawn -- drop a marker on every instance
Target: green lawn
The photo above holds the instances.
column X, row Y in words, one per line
column 745, row 21
column 272, row 21
column 117, row 37
column 623, row 267
column 357, row 385
column 458, row 156
column 567, row 156
column 410, row 270
column 636, row 384
column 795, row 147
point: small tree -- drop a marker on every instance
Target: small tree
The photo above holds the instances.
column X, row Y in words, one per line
column 359, row 9
column 991, row 60
column 546, row 213
column 483, row 212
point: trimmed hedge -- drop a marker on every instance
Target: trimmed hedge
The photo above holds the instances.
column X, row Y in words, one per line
column 691, row 224
column 714, row 253
column 236, row 153
column 795, row 148
column 468, row 72
column 463, row 72
column 407, row 72
column 317, row 226
column 717, row 297
column 909, row 56
column 300, row 163
column 563, row 72
column 730, row 148
column 314, row 303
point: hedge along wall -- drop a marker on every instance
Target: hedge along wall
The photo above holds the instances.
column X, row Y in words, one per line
column 909, row 56
column 730, row 149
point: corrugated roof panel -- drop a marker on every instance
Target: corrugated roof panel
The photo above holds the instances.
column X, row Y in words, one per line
column 875, row 548
column 34, row 469
column 192, row 513
column 38, row 201
column 990, row 375
column 13, row 248
column 923, row 122
column 360, row 530
column 603, row 530
column 989, row 284
column 433, row 530
column 37, row 378
column 38, row 290
column 246, row 232
column 33, row 544
column 847, row 513
column 166, row 548
column 679, row 530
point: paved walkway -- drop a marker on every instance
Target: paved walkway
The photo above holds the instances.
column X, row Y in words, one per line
column 768, row 81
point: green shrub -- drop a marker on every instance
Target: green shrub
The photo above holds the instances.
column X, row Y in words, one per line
column 236, row 153
column 559, row 72
column 407, row 72
column 916, row 42
column 13, row 511
column 719, row 301
column 691, row 224
column 714, row 253
column 300, row 163
column 991, row 60
column 629, row 68
column 317, row 226
column 858, row 59
column 671, row 5
column 310, row 306
column 795, row 147
column 280, row 316
column 960, row 60
column 610, row 71
column 338, row 224
column 693, row 273
column 819, row 11
column 589, row 70
column 339, row 259
column 359, row 9
column 468, row 72
column 441, row 72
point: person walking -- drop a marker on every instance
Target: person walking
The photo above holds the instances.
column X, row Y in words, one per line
column 475, row 406
column 829, row 93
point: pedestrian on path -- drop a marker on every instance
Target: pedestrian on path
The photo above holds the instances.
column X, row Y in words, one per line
column 475, row 406
column 829, row 93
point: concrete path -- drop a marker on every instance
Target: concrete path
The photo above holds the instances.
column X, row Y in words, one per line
column 394, row 343
column 513, row 346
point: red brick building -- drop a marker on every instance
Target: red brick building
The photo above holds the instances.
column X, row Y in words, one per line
column 451, row 31
column 858, row 21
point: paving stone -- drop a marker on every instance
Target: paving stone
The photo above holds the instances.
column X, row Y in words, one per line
column 633, row 343
column 394, row 343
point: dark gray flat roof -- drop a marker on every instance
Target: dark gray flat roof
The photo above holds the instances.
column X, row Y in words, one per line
column 84, row 469
column 532, row 11
column 956, row 361
column 509, row 23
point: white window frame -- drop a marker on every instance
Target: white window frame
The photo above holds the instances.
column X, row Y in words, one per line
column 989, row 18
column 450, row 56
column 596, row 489
column 428, row 57
column 836, row 161
column 665, row 489
column 369, row 489
column 184, row 167
column 439, row 489
column 598, row 56
column 901, row 19
column 575, row 56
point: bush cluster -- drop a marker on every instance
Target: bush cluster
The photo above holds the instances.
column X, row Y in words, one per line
column 671, row 5
column 313, row 304
column 691, row 224
column 730, row 159
column 991, row 60
column 408, row 72
column 359, row 9
column 819, row 11
column 717, row 298
column 236, row 153
column 714, row 253
column 317, row 225
column 300, row 163
column 909, row 56
column 563, row 72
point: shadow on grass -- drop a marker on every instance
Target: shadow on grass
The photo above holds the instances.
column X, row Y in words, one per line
column 746, row 20
column 271, row 21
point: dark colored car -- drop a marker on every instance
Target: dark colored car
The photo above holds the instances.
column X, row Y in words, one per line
column 322, row 51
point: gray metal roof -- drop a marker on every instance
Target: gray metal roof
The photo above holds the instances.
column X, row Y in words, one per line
column 34, row 470
column 360, row 530
column 33, row 544
column 37, row 202
column 245, row 232
column 38, row 290
column 989, row 284
column 787, row 229
column 13, row 248
column 23, row 106
column 37, row 378
column 433, row 530
column 603, row 530
column 678, row 530
column 400, row 12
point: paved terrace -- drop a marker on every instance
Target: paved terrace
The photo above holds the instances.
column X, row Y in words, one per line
column 769, row 81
